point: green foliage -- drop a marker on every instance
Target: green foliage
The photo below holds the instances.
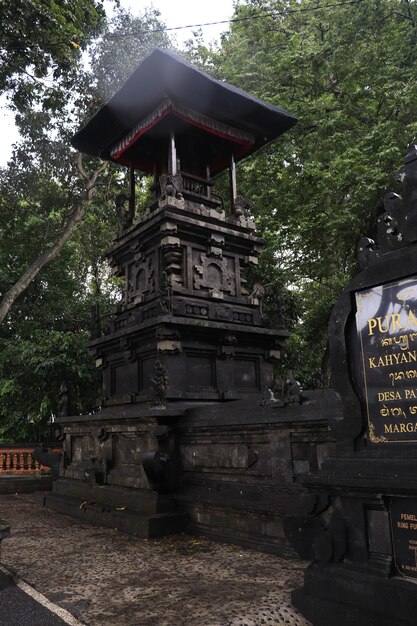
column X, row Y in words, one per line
column 42, row 40
column 126, row 40
column 348, row 73
column 32, row 369
column 43, row 341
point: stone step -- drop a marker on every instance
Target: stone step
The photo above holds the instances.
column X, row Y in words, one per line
column 140, row 501
column 129, row 521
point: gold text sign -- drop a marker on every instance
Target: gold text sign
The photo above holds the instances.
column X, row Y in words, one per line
column 386, row 322
column 403, row 513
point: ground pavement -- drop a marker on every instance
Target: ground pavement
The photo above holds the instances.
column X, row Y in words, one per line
column 77, row 573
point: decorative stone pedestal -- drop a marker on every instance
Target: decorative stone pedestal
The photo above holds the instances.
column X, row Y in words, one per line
column 229, row 470
column 118, row 470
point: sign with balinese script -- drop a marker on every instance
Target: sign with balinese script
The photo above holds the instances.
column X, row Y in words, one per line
column 403, row 512
column 386, row 322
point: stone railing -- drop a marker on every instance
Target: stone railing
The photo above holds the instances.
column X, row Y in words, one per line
column 191, row 187
column 18, row 460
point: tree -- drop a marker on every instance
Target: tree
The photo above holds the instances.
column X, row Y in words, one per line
column 125, row 41
column 347, row 71
column 41, row 42
column 43, row 339
column 39, row 37
column 50, row 253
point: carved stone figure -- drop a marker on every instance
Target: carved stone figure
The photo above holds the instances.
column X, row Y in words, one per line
column 397, row 224
column 165, row 293
column 318, row 381
column 389, row 229
column 63, row 401
column 171, row 185
column 284, row 392
column 294, row 390
column 123, row 212
column 102, row 434
column 241, row 206
column 159, row 383
column 279, row 386
column 367, row 252
column 278, row 313
column 257, row 295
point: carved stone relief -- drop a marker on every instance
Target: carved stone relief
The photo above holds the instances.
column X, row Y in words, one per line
column 196, row 309
column 168, row 340
column 397, row 224
column 243, row 317
column 172, row 260
column 191, row 308
column 165, row 293
column 224, row 313
column 171, row 185
column 159, row 383
column 228, row 345
column 141, row 280
column 213, row 274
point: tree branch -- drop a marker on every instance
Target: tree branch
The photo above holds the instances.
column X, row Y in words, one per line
column 77, row 216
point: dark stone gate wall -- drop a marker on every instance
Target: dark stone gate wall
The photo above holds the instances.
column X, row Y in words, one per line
column 242, row 463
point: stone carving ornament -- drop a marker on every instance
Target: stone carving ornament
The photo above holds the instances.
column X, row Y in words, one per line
column 214, row 275
column 159, row 383
column 142, row 278
column 165, row 293
column 124, row 213
column 397, row 224
column 63, row 400
column 171, row 185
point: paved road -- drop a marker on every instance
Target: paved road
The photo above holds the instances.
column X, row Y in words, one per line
column 102, row 577
column 17, row 608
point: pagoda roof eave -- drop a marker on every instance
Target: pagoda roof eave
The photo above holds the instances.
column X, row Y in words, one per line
column 162, row 75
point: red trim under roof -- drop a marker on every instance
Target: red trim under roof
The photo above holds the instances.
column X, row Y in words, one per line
column 216, row 166
column 211, row 126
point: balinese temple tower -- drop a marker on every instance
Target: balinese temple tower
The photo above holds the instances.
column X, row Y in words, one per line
column 184, row 260
column 188, row 330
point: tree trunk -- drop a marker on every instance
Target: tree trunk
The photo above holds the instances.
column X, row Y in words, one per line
column 33, row 270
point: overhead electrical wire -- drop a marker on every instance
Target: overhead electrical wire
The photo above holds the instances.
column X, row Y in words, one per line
column 232, row 20
column 239, row 19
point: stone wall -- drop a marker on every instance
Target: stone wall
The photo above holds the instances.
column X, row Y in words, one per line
column 241, row 465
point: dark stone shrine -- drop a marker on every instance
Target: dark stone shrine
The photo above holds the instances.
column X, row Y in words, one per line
column 181, row 435
column 187, row 328
column 362, row 536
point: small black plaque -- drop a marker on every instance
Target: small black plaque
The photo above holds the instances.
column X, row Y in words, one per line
column 404, row 534
column 386, row 322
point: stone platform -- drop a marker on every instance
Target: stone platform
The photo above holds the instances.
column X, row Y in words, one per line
column 145, row 515
column 10, row 483
column 104, row 577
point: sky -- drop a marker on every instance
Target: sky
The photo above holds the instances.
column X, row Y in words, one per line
column 184, row 12
column 173, row 13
